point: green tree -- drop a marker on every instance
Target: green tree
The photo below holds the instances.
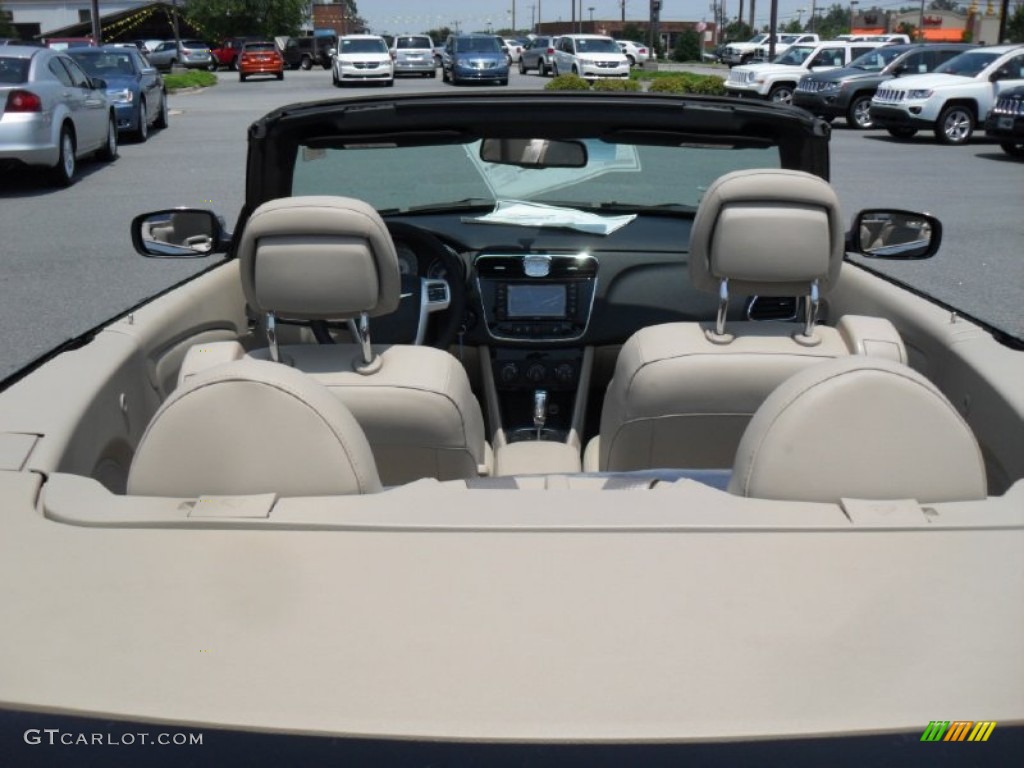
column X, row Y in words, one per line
column 440, row 34
column 738, row 31
column 1015, row 25
column 265, row 18
column 834, row 21
column 635, row 32
column 687, row 46
column 793, row 25
column 6, row 29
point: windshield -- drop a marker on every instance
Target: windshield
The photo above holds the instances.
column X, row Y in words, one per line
column 476, row 45
column 968, row 64
column 615, row 175
column 105, row 64
column 364, row 46
column 597, row 45
column 876, row 60
column 252, row 47
column 413, row 42
column 796, row 55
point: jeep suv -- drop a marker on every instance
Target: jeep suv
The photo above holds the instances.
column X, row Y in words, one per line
column 953, row 99
column 304, row 52
column 1005, row 123
column 777, row 80
column 847, row 92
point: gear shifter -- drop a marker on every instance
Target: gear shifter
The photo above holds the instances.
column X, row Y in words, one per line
column 540, row 410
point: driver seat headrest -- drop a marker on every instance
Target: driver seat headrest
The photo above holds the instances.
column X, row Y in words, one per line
column 318, row 258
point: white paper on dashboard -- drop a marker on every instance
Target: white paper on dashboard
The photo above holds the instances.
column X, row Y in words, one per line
column 526, row 214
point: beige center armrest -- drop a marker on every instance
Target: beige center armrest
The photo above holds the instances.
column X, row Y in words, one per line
column 531, row 457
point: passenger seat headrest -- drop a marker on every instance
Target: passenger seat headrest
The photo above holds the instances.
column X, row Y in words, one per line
column 858, row 427
column 770, row 232
column 252, row 427
column 318, row 258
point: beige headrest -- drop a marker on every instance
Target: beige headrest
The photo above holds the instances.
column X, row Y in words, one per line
column 771, row 232
column 251, row 427
column 858, row 427
column 318, row 258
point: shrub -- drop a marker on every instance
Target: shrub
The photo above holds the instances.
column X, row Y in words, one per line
column 687, row 46
column 616, row 85
column 567, row 83
column 668, row 85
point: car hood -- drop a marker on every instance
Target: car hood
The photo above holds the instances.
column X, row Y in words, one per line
column 768, row 68
column 931, row 80
column 364, row 57
column 480, row 56
column 846, row 74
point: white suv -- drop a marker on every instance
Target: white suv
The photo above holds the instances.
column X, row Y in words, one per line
column 777, row 80
column 953, row 99
column 589, row 56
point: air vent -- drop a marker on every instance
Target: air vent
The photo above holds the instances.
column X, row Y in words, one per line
column 779, row 308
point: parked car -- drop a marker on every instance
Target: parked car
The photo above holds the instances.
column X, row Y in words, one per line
column 538, row 54
column 952, row 100
column 637, row 53
column 17, row 41
column 474, row 58
column 363, row 59
column 134, row 86
column 191, row 54
column 227, row 53
column 514, row 50
column 1005, row 121
column 53, row 113
column 260, row 58
column 216, row 522
column 777, row 80
column 414, row 54
column 64, row 43
column 847, row 92
column 147, row 46
column 759, row 47
column 590, row 57
column 304, row 52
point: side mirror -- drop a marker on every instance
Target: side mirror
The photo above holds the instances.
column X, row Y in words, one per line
column 895, row 234
column 97, row 83
column 183, row 233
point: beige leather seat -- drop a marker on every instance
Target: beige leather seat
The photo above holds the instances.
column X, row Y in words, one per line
column 682, row 393
column 332, row 258
column 862, row 428
column 252, row 427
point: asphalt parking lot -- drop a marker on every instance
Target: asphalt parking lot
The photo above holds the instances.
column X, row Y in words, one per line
column 68, row 264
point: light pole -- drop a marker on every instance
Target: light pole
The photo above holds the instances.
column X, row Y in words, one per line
column 513, row 17
column 853, row 6
column 591, row 9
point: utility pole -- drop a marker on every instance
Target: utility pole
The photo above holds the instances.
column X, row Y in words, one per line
column 513, row 17
column 95, row 14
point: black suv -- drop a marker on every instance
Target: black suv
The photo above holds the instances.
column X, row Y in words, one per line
column 306, row 51
column 1005, row 122
column 847, row 92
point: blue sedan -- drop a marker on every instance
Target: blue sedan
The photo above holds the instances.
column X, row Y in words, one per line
column 134, row 87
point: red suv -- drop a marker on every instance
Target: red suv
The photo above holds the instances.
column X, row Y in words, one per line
column 226, row 55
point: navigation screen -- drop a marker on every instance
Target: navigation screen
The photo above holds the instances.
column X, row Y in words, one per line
column 544, row 300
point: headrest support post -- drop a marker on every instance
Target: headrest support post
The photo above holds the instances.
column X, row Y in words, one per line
column 811, row 315
column 723, row 306
column 360, row 331
column 271, row 328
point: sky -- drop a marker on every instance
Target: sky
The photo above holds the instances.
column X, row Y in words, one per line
column 396, row 16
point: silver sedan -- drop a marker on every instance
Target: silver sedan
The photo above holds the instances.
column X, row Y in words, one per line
column 52, row 113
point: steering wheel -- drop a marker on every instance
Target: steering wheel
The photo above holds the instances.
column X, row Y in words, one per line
column 423, row 296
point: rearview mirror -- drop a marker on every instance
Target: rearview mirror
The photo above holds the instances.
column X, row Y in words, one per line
column 534, row 153
column 178, row 233
column 894, row 234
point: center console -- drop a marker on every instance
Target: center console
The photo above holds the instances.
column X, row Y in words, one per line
column 536, row 309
